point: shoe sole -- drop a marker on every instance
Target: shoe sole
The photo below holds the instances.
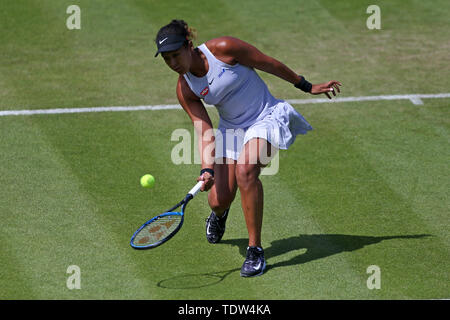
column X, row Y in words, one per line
column 213, row 242
column 255, row 275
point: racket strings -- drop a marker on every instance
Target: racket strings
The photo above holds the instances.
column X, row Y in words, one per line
column 157, row 230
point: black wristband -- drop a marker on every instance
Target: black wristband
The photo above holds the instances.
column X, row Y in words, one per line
column 303, row 85
column 210, row 171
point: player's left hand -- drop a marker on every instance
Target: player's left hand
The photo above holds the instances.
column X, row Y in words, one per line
column 327, row 87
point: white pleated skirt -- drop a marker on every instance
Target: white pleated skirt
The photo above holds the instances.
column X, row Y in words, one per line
column 280, row 127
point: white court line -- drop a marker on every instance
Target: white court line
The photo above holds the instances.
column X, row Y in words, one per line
column 414, row 98
column 85, row 110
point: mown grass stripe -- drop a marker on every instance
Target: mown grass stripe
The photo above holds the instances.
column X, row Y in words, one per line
column 55, row 222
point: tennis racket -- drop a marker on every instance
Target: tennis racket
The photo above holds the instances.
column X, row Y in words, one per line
column 161, row 228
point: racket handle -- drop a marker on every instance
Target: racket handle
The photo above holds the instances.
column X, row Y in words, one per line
column 196, row 188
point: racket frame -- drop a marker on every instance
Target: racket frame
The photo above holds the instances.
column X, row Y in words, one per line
column 156, row 244
column 169, row 212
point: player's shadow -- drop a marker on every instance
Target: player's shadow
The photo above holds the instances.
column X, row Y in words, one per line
column 317, row 246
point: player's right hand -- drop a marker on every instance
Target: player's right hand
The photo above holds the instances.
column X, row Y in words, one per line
column 208, row 181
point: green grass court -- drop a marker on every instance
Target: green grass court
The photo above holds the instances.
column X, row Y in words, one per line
column 368, row 186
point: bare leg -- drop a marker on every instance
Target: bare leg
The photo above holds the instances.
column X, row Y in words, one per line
column 252, row 204
column 224, row 189
column 248, row 169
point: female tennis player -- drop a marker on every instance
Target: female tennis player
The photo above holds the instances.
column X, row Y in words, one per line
column 253, row 124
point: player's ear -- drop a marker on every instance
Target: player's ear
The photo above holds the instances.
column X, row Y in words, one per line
column 189, row 47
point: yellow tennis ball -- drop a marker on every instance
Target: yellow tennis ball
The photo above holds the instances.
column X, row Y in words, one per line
column 147, row 181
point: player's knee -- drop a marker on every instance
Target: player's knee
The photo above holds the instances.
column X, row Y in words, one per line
column 247, row 174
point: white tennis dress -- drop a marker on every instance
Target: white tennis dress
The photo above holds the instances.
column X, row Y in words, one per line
column 246, row 107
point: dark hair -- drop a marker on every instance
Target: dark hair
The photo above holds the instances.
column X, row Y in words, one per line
column 179, row 27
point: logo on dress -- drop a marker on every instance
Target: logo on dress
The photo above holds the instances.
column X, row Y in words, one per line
column 204, row 91
column 222, row 72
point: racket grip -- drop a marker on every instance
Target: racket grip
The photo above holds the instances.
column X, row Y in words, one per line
column 196, row 188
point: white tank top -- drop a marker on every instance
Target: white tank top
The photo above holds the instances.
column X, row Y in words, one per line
column 239, row 94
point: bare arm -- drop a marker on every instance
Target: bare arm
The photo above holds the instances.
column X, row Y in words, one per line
column 203, row 127
column 248, row 55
